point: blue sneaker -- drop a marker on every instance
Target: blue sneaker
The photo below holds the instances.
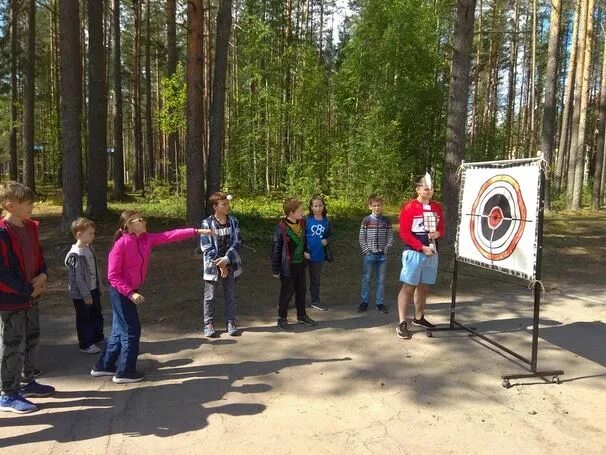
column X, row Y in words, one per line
column 33, row 389
column 209, row 330
column 16, row 403
column 232, row 330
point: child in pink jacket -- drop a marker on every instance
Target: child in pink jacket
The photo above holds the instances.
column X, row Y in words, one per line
column 127, row 268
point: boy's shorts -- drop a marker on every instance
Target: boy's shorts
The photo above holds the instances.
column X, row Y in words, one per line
column 417, row 268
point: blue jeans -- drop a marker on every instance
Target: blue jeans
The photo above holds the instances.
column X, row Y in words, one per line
column 124, row 340
column 379, row 263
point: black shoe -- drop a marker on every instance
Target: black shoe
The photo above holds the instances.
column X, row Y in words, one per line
column 423, row 323
column 402, row 331
column 127, row 378
column 319, row 307
column 381, row 309
column 307, row 321
column 283, row 323
column 363, row 307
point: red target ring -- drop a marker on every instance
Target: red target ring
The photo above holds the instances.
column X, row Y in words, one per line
column 498, row 217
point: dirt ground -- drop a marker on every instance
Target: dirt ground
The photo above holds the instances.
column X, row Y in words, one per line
column 346, row 386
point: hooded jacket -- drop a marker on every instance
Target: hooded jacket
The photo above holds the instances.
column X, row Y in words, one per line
column 129, row 257
column 79, row 283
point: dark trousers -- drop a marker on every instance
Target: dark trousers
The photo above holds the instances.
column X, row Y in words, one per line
column 292, row 285
column 19, row 341
column 123, row 343
column 315, row 268
column 89, row 320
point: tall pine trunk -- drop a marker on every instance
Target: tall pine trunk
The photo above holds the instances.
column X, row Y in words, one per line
column 118, row 155
column 598, row 182
column 217, row 110
column 13, row 165
column 149, row 127
column 551, row 79
column 29, row 81
column 171, row 67
column 195, row 112
column 97, row 113
column 71, row 105
column 457, row 110
column 138, row 133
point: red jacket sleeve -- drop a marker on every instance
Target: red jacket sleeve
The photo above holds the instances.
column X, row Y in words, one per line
column 441, row 227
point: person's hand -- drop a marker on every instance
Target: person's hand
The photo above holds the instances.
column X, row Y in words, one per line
column 39, row 280
column 276, row 275
column 306, row 256
column 427, row 250
column 137, row 299
column 324, row 242
column 434, row 235
column 208, row 232
column 221, row 262
column 36, row 292
column 223, row 270
column 88, row 300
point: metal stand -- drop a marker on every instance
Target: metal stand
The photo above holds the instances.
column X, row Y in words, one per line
column 454, row 325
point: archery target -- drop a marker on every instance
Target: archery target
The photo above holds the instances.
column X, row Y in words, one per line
column 498, row 217
column 498, row 213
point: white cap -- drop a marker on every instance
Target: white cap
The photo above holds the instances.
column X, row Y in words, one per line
column 426, row 180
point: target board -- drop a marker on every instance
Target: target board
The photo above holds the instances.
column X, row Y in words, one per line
column 498, row 214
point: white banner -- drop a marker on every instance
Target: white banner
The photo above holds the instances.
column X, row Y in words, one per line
column 498, row 216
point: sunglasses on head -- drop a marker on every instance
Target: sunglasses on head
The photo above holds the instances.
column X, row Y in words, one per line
column 137, row 220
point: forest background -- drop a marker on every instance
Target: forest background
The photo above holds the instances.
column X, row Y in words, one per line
column 167, row 101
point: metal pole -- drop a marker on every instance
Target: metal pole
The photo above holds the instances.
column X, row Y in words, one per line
column 453, row 300
column 537, row 285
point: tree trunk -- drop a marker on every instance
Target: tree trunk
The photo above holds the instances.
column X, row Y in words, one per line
column 577, row 144
column 551, row 79
column 97, row 113
column 457, row 110
column 598, row 182
column 13, row 166
column 195, row 112
column 149, row 127
column 29, row 81
column 217, row 111
column 171, row 67
column 71, row 104
column 138, row 143
column 579, row 165
column 118, row 155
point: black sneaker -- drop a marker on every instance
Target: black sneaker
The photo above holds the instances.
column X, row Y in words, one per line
column 423, row 323
column 381, row 309
column 98, row 372
column 127, row 378
column 319, row 307
column 283, row 323
column 402, row 331
column 363, row 307
column 307, row 321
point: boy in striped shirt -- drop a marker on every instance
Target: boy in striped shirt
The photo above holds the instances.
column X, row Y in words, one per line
column 376, row 239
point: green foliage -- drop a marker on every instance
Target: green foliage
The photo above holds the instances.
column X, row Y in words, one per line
column 172, row 114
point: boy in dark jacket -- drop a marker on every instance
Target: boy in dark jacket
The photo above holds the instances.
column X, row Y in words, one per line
column 84, row 286
column 22, row 280
column 288, row 256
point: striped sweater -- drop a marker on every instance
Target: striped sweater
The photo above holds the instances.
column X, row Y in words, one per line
column 376, row 235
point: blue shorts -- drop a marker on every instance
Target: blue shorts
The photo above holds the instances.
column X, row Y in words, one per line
column 417, row 268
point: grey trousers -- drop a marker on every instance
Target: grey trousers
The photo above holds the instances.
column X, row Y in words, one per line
column 19, row 341
column 229, row 294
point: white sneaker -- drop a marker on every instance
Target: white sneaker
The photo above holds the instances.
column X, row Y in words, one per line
column 92, row 349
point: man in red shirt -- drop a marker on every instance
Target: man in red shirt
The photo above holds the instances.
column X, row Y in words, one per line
column 421, row 224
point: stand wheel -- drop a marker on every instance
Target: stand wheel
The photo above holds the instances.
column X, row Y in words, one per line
column 555, row 379
column 429, row 333
column 506, row 383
